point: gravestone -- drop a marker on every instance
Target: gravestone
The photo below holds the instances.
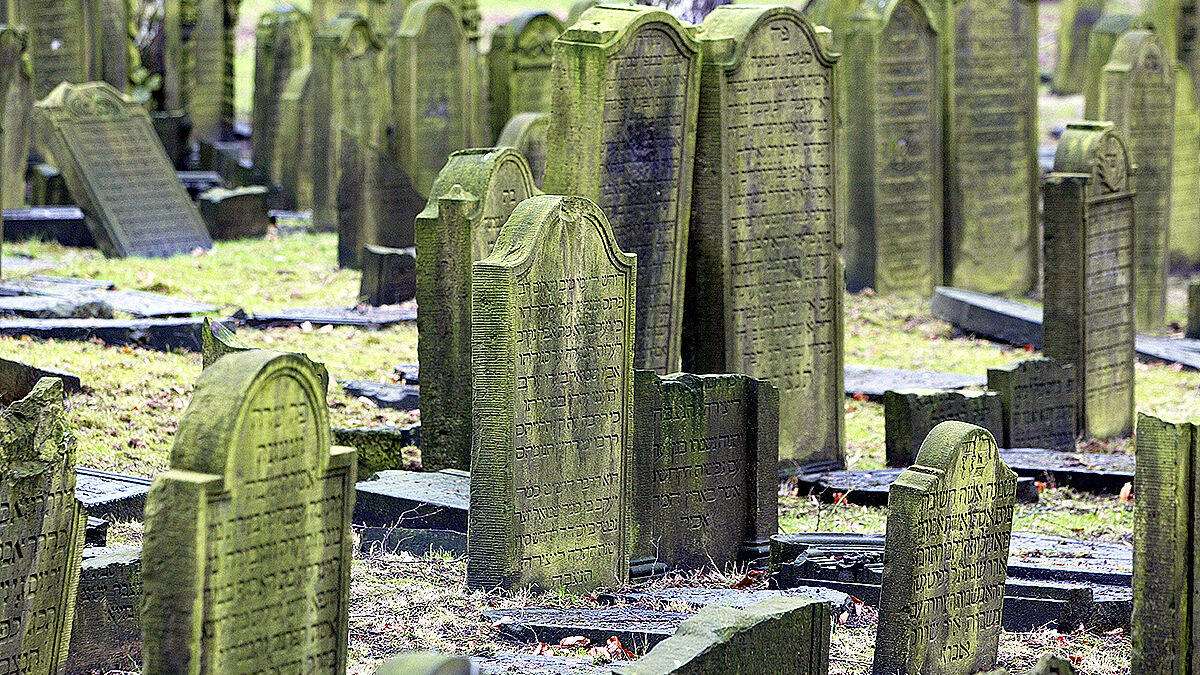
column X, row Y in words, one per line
column 389, row 275
column 375, row 202
column 519, row 67
column 765, row 275
column 207, row 70
column 296, row 132
column 1089, row 296
column 118, row 173
column 991, row 64
column 1192, row 330
column 527, row 132
column 16, row 95
column 470, row 201
column 893, row 113
column 624, row 129
column 426, row 663
column 282, row 46
column 1038, row 398
column 216, row 341
column 1075, row 21
column 41, row 532
column 62, row 41
column 239, row 213
column 1137, row 90
column 247, row 537
column 705, row 475
column 945, row 558
column 910, row 414
column 778, row 635
column 114, row 32
column 1184, row 235
column 107, row 632
column 1103, row 37
column 552, row 372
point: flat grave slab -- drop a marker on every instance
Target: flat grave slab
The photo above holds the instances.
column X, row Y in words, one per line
column 370, row 318
column 411, row 373
column 141, row 304
column 53, row 307
column 635, row 627
column 196, row 182
column 873, row 382
column 18, row 378
column 418, row 542
column 870, row 488
column 62, row 224
column 527, row 664
column 1093, row 472
column 157, row 334
column 384, row 394
column 416, row 499
column 731, row 597
column 112, row 496
column 25, row 263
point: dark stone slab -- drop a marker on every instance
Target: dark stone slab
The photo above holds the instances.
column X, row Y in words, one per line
column 48, row 285
column 106, row 634
column 111, row 496
column 389, row 275
column 414, row 499
column 418, row 542
column 62, row 224
column 235, row 214
column 872, row 382
column 371, row 318
column 17, row 380
column 96, row 533
column 385, row 394
column 411, row 373
column 47, row 187
column 1090, row 471
column 138, row 303
column 635, row 627
column 380, row 448
column 526, row 664
column 54, row 307
column 870, row 488
column 196, row 182
column 731, row 597
column 157, row 334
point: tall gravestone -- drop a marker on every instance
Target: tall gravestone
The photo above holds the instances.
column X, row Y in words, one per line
column 1137, row 94
column 1038, row 398
column 893, row 116
column 910, row 414
column 705, row 475
column 519, row 67
column 375, row 205
column 118, row 173
column 16, row 94
column 833, row 14
column 1088, row 293
column 282, row 46
column 1184, row 235
column 624, row 128
column 62, row 41
column 1075, row 21
column 1103, row 37
column 296, row 122
column 946, row 556
column 208, row 53
column 41, row 530
column 765, row 275
column 552, row 316
column 527, row 132
column 991, row 66
column 471, row 200
column 247, row 549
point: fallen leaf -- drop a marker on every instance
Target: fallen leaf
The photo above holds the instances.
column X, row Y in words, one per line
column 1126, row 493
column 859, row 396
column 542, row 649
column 574, row 641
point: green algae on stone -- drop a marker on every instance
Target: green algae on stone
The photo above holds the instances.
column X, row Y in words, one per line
column 910, row 414
column 16, row 94
column 1075, row 21
column 295, row 132
column 282, row 46
column 1103, row 37
column 1184, row 235
column 63, row 45
column 519, row 64
column 527, row 132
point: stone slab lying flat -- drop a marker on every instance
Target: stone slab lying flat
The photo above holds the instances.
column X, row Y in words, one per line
column 18, row 378
column 158, row 334
column 370, row 318
column 26, row 263
column 527, row 664
column 384, row 394
column 1090, row 471
column 418, row 542
column 731, row 597
column 872, row 382
column 411, row 373
column 870, row 488
column 635, row 627
column 415, row 499
column 141, row 304
column 112, row 496
column 62, row 224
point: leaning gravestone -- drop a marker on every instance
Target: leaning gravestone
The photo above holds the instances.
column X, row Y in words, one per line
column 527, row 133
column 552, row 371
column 248, row 538
column 471, row 200
column 16, row 95
column 41, row 532
column 910, row 414
column 61, row 41
column 990, row 47
column 282, row 46
column 519, row 67
column 893, row 113
column 623, row 123
column 1075, row 21
column 117, row 171
column 1184, row 235
column 1089, row 292
column 946, row 556
column 1137, row 94
column 765, row 281
column 1038, row 397
column 705, row 475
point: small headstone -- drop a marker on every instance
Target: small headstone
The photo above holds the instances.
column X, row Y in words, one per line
column 1038, row 397
column 282, row 46
column 627, row 80
column 389, row 275
column 1089, row 292
column 911, row 414
column 519, row 62
column 117, row 172
column 107, row 634
column 235, row 214
column 61, row 41
column 1075, row 21
column 1184, row 237
column 949, row 526
column 247, row 537
column 18, row 379
column 552, row 317
column 1193, row 310
column 16, row 96
column 1104, row 35
column 527, row 133
column 379, row 448
column 427, row 664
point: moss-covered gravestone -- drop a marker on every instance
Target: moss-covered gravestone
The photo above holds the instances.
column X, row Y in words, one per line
column 991, row 65
column 1184, row 235
column 946, row 556
column 216, row 341
column 765, row 272
column 1075, row 21
column 1103, row 37
column 552, row 370
column 893, row 116
column 118, row 172
column 16, row 96
column 246, row 557
column 41, row 531
column 1137, row 94
column 208, row 53
column 1089, row 290
column 282, row 46
column 62, row 41
column 705, row 475
column 910, row 414
column 471, row 200
column 519, row 67
column 624, row 129
column 295, row 132
column 1038, row 397
column 833, row 14
column 527, row 133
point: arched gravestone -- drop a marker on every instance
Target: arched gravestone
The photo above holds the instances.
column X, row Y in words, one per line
column 1184, row 237
column 1076, row 18
column 471, row 200
column 946, row 556
column 1089, row 290
column 765, row 273
column 527, row 133
column 295, row 132
column 62, row 41
column 282, row 46
column 1103, row 37
column 893, row 117
column 552, row 368
column 519, row 67
column 1137, row 94
column 624, row 128
column 247, row 551
column 16, row 94
column 208, row 52
column 991, row 144
column 41, row 530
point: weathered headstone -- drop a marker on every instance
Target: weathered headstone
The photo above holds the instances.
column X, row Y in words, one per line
column 910, row 414
column 623, row 123
column 247, row 549
column 282, row 46
column 1137, row 94
column 470, row 201
column 1184, row 235
column 945, row 559
column 239, row 213
column 107, row 631
column 41, row 532
column 1075, row 21
column 705, row 480
column 1089, row 290
column 62, row 41
column 427, row 664
column 552, row 371
column 519, row 67
column 375, row 201
column 893, row 117
column 991, row 65
column 1038, row 397
column 207, row 70
column 1103, row 37
column 765, row 276
column 295, row 132
column 527, row 133
column 778, row 635
column 118, row 173
column 389, row 275
column 16, row 96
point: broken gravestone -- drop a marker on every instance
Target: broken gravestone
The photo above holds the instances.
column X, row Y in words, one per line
column 1038, row 399
column 552, row 371
column 216, row 341
column 519, row 62
column 910, row 414
column 527, row 133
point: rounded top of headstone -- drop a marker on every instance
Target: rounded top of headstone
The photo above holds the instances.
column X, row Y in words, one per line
column 875, row 15
column 473, row 170
column 87, row 100
column 958, row 449
column 609, row 27
column 520, row 23
column 347, row 32
column 1139, row 49
column 728, row 28
column 514, row 131
column 1095, row 149
column 417, row 15
column 529, row 223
